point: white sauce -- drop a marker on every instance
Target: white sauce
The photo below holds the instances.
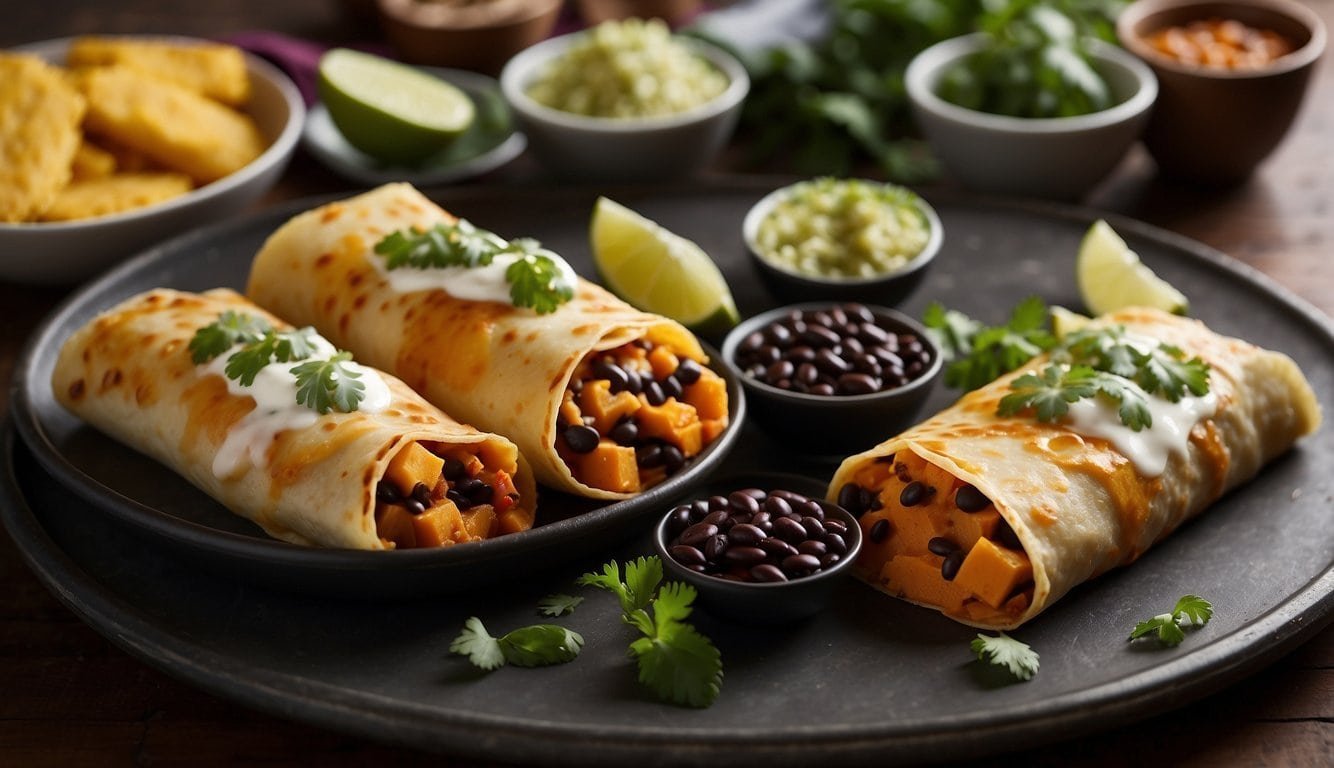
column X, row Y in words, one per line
column 482, row 283
column 276, row 408
column 1149, row 448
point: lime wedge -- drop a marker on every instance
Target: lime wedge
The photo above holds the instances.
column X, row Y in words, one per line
column 1111, row 276
column 391, row 111
column 659, row 271
column 1064, row 322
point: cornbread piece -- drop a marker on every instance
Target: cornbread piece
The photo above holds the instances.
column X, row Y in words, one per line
column 39, row 135
column 114, row 194
column 212, row 70
column 169, row 123
column 92, row 162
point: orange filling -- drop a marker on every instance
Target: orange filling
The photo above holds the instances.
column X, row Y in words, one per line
column 434, row 495
column 933, row 539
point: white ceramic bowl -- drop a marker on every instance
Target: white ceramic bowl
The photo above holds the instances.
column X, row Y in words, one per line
column 587, row 148
column 67, row 252
column 1058, row 158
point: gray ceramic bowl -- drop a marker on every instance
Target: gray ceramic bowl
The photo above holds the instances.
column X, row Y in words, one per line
column 1057, row 158
column 789, row 285
column 765, row 602
column 598, row 148
column 834, row 425
column 1216, row 125
column 66, row 252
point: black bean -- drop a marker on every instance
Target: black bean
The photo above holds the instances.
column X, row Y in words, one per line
column 422, row 492
column 853, row 348
column 778, row 335
column 762, row 520
column 823, row 390
column 880, row 530
column 696, row 534
column 717, row 517
column 414, row 507
column 672, row 387
column 687, row 555
column 789, row 530
column 613, row 373
column 871, row 334
column 698, row 509
column 837, row 317
column 858, row 312
column 746, row 535
column 830, row 363
column 718, row 502
column 790, row 496
column 765, row 355
column 387, row 492
column 782, row 369
column 834, row 542
column 914, row 493
column 834, row 525
column 454, row 469
column 678, row 520
column 939, row 545
column 857, row 384
column 745, row 556
column 1006, row 537
column 814, row 527
column 751, row 343
column 688, row 371
column 969, row 499
column 743, row 502
column 777, row 547
column 820, row 318
column 795, row 565
column 828, row 560
column 758, row 494
column 653, row 393
column 950, row 567
column 765, row 572
column 672, row 459
column 649, row 456
column 715, row 547
column 800, row 354
column 626, row 432
column 460, row 501
column 581, row 438
column 819, row 336
column 812, row 547
column 777, row 506
column 807, row 373
column 850, row 498
column 809, row 508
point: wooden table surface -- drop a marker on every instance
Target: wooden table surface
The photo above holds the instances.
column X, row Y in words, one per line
column 70, row 697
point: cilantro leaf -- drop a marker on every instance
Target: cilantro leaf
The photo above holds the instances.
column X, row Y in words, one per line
column 610, row 580
column 1005, row 651
column 1049, row 395
column 977, row 353
column 1190, row 609
column 953, row 331
column 1165, row 369
column 558, row 605
column 535, row 282
column 540, row 645
column 328, row 384
column 478, row 645
column 642, row 577
column 231, row 328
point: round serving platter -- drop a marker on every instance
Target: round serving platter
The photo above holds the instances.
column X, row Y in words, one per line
column 870, row 680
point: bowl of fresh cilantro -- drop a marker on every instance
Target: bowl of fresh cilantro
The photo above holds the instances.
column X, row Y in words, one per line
column 1034, row 108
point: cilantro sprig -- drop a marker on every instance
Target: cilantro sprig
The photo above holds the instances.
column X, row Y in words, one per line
column 322, row 385
column 1050, row 394
column 675, row 661
column 558, row 605
column 1158, row 368
column 1190, row 610
column 1004, row 651
column 977, row 353
column 534, row 276
column 538, row 645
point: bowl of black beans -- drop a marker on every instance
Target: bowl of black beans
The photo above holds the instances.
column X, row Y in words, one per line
column 759, row 555
column 833, row 378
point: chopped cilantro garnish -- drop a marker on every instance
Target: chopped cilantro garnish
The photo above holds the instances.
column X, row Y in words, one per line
column 537, row 645
column 559, row 604
column 1190, row 610
column 1005, row 651
column 978, row 354
column 328, row 384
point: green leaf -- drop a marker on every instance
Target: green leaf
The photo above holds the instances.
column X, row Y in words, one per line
column 673, row 604
column 326, row 385
column 478, row 645
column 1190, row 609
column 1005, row 651
column 536, row 282
column 540, row 645
column 642, row 577
column 231, row 328
column 680, row 665
column 610, row 580
column 1194, row 609
column 558, row 604
column 979, row 353
column 1049, row 395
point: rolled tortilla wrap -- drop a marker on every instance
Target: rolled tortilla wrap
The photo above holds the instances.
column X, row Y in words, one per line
column 1034, row 509
column 505, row 369
column 304, row 477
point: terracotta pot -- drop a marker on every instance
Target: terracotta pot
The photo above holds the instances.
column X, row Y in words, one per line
column 479, row 37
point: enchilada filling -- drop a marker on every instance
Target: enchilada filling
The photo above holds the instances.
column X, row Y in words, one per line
column 436, row 495
column 633, row 416
column 932, row 538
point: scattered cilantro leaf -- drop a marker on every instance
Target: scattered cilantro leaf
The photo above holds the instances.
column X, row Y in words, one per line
column 1191, row 610
column 534, row 276
column 1048, row 394
column 978, row 354
column 533, row 646
column 1005, row 651
column 674, row 660
column 231, row 328
column 325, row 385
column 558, row 605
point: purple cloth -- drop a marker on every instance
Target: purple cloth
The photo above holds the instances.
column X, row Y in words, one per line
column 300, row 59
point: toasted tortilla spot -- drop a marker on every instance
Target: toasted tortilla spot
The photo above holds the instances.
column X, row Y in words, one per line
column 355, row 278
column 359, row 302
column 330, row 302
column 323, row 260
column 111, row 378
column 583, row 330
column 332, row 212
column 509, row 337
column 77, row 390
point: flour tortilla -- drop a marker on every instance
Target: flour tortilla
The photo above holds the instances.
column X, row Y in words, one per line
column 129, row 373
column 499, row 367
column 1077, row 505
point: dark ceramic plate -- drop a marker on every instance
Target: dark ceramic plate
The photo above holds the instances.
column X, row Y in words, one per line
column 149, row 496
column 870, row 680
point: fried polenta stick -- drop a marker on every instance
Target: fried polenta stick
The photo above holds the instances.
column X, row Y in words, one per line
column 169, row 123
column 209, row 69
column 39, row 134
column 115, row 194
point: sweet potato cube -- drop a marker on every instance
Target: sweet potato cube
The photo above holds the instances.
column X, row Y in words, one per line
column 569, row 409
column 673, row 421
column 992, row 572
column 710, row 429
column 663, row 361
column 610, row 467
column 912, row 527
column 940, row 480
column 513, row 520
column 917, row 577
column 596, row 400
column 440, row 525
column 478, row 520
column 414, row 464
column 708, row 395
column 967, row 527
column 394, row 525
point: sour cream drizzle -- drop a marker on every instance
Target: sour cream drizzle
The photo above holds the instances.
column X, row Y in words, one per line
column 481, row 283
column 276, row 407
column 1149, row 448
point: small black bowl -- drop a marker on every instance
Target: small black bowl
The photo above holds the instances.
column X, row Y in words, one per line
column 834, row 425
column 886, row 289
column 767, row 602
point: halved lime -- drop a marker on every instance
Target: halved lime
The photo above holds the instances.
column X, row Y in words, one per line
column 1111, row 276
column 390, row 111
column 1064, row 322
column 659, row 271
